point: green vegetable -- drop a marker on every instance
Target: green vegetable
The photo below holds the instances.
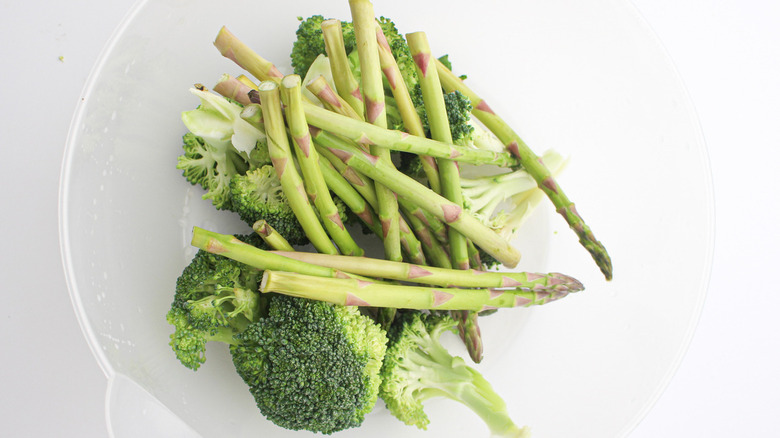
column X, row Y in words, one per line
column 417, row 368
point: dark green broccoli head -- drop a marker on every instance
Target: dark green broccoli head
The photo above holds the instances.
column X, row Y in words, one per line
column 215, row 298
column 258, row 195
column 311, row 365
column 310, row 44
column 458, row 115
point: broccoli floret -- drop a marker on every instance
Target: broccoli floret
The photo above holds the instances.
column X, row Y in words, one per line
column 219, row 144
column 312, row 365
column 215, row 299
column 418, row 367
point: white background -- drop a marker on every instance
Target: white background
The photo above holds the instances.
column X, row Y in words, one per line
column 728, row 54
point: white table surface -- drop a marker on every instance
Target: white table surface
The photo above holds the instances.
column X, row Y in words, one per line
column 728, row 54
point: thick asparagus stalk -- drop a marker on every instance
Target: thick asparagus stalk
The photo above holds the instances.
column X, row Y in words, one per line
column 435, row 276
column 308, row 159
column 364, row 23
column 433, row 99
column 443, row 209
column 346, row 84
column 533, row 166
column 366, row 134
column 234, row 49
column 233, row 88
column 355, row 292
column 328, row 97
column 405, row 106
column 281, row 156
column 271, row 236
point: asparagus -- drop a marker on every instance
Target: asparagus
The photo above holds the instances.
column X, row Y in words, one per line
column 292, row 185
column 366, row 134
column 234, row 49
column 364, row 23
column 356, row 292
column 434, row 276
column 308, row 159
column 450, row 213
column 271, row 236
column 406, row 108
column 346, row 84
column 533, row 166
column 328, row 97
column 433, row 99
column 233, row 88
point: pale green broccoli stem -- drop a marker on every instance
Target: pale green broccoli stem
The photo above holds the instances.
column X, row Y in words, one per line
column 233, row 88
column 328, row 97
column 436, row 276
column 443, row 209
column 433, row 99
column 271, row 236
column 308, row 159
column 406, row 108
column 283, row 162
column 533, row 166
column 346, row 84
column 356, row 292
column 364, row 22
column 234, row 49
column 367, row 134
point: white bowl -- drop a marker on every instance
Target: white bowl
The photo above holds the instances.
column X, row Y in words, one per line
column 586, row 78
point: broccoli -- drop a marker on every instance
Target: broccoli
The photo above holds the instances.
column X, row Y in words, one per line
column 215, row 299
column 311, row 365
column 309, row 43
column 308, row 364
column 417, row 367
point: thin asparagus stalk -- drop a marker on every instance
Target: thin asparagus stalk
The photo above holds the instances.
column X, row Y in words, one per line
column 406, row 108
column 433, row 249
column 233, row 88
column 308, row 159
column 355, row 292
column 443, row 209
column 433, row 99
column 281, row 156
column 246, row 81
column 272, row 237
column 435, row 276
column 332, row 101
column 234, row 49
column 533, row 166
column 364, row 22
column 367, row 134
column 346, row 84
column 433, row 224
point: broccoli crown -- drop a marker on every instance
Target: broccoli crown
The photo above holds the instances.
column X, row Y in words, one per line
column 258, row 195
column 311, row 365
column 215, row 298
column 458, row 107
column 309, row 42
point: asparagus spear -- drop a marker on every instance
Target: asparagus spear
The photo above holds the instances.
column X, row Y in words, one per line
column 292, row 185
column 366, row 134
column 346, row 84
column 233, row 88
column 271, row 236
column 234, row 49
column 434, row 276
column 533, row 166
column 364, row 23
column 332, row 101
column 308, row 159
column 355, row 292
column 450, row 213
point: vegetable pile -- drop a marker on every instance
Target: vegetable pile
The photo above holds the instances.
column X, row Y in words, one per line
column 371, row 134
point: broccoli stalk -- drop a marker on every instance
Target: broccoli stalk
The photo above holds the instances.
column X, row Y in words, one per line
column 417, row 368
column 534, row 167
